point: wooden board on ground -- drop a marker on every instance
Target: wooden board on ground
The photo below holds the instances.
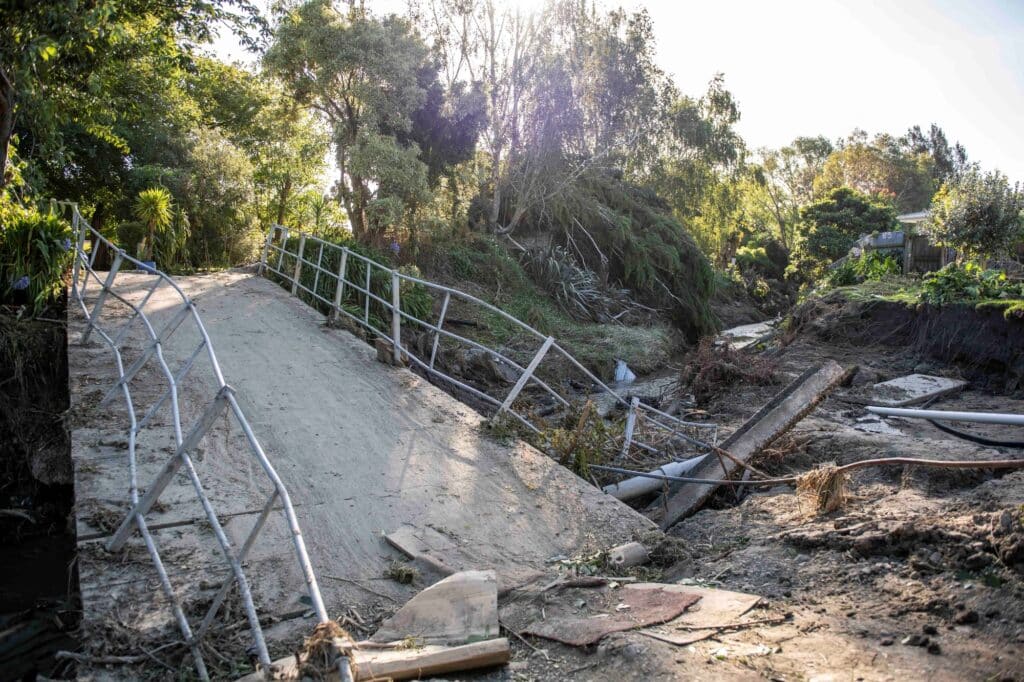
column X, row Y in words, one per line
column 461, row 608
column 788, row 407
column 715, row 609
column 445, row 554
column 411, row 663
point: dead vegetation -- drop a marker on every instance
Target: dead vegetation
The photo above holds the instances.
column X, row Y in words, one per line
column 709, row 371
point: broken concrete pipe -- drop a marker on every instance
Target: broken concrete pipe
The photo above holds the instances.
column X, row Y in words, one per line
column 628, row 555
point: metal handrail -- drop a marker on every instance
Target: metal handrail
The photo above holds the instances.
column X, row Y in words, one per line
column 222, row 402
column 666, row 427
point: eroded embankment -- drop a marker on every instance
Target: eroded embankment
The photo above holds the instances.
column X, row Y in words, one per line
column 38, row 581
column 988, row 347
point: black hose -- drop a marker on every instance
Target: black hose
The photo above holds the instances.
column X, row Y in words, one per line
column 974, row 438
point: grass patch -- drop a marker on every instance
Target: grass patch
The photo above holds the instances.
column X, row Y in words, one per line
column 905, row 290
column 484, row 268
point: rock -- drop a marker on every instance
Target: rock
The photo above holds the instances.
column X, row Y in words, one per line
column 935, row 559
column 965, row 617
column 930, row 630
column 886, row 641
column 915, row 640
column 934, row 648
column 865, row 377
column 1002, row 523
column 977, row 561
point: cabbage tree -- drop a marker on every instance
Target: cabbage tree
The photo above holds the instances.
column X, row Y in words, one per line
column 153, row 209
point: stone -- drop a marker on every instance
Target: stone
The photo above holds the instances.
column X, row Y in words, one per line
column 965, row 617
column 977, row 560
column 930, row 629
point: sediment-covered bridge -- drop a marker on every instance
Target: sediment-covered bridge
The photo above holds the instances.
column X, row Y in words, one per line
column 362, row 448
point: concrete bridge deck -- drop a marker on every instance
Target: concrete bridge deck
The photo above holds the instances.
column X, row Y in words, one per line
column 363, row 448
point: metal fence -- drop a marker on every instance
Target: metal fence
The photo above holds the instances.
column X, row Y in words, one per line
column 222, row 400
column 344, row 287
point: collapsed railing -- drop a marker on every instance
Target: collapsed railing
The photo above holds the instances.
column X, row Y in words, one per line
column 647, row 429
column 222, row 402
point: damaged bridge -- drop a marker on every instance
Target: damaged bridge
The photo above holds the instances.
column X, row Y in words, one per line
column 362, row 450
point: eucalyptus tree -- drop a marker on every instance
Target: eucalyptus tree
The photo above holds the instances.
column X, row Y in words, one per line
column 363, row 75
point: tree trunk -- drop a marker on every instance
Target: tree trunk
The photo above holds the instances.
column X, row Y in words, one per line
column 283, row 198
column 6, row 123
column 99, row 218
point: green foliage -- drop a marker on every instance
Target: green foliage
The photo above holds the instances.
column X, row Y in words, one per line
column 877, row 265
column 375, row 83
column 871, row 266
column 980, row 214
column 632, row 241
column 153, row 209
column 889, row 169
column 831, row 225
column 968, row 283
column 35, row 251
column 752, row 257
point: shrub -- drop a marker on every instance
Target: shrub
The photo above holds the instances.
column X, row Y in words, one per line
column 876, row 265
column 979, row 213
column 968, row 283
column 831, row 225
column 35, row 251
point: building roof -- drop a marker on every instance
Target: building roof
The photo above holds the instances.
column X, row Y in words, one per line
column 914, row 218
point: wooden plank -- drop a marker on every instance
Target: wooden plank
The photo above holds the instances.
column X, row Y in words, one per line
column 791, row 405
column 407, row 663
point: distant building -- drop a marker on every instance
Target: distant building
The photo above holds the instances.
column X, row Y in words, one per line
column 914, row 218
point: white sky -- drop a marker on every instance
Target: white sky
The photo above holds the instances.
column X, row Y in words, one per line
column 810, row 67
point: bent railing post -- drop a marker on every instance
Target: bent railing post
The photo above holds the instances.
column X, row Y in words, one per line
column 525, row 377
column 97, row 309
column 298, row 264
column 262, row 269
column 440, row 323
column 396, row 317
column 339, row 291
column 634, row 405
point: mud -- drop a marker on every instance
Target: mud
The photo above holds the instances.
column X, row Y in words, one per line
column 985, row 345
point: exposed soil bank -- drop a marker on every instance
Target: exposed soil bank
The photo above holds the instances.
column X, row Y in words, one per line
column 987, row 347
column 38, row 581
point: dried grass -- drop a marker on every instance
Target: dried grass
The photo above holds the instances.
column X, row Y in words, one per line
column 318, row 659
column 824, row 488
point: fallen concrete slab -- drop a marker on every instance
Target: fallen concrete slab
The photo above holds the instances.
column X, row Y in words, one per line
column 715, row 609
column 771, row 421
column 631, row 607
column 913, row 389
column 461, row 608
column 744, row 336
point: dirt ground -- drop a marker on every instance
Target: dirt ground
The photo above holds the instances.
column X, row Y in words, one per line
column 919, row 576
